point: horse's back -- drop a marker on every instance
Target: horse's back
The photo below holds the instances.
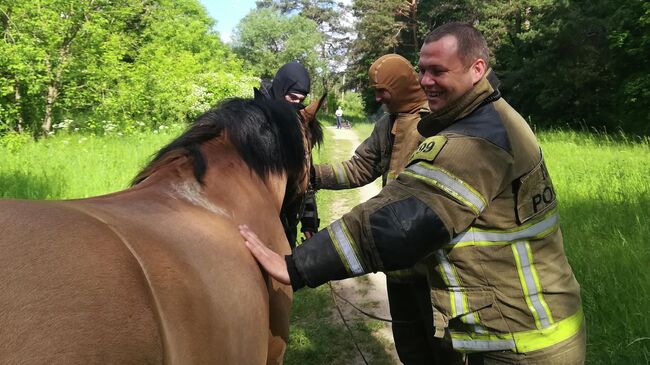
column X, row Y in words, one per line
column 106, row 283
column 71, row 292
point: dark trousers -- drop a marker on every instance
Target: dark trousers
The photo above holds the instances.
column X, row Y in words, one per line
column 410, row 309
column 338, row 122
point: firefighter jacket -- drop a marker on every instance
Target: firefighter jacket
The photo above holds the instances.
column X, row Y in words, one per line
column 475, row 208
column 384, row 153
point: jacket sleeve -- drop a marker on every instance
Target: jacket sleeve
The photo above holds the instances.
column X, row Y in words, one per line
column 363, row 168
column 411, row 217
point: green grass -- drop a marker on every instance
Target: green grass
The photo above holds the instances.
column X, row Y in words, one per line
column 76, row 166
column 604, row 194
column 601, row 182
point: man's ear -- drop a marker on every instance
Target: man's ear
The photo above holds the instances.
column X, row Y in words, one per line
column 478, row 69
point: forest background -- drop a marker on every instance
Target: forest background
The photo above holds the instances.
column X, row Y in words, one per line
column 110, row 81
column 119, row 66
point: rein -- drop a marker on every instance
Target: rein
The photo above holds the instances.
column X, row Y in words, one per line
column 334, row 295
column 338, row 309
column 368, row 314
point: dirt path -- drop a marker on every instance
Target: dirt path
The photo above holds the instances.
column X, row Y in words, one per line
column 369, row 291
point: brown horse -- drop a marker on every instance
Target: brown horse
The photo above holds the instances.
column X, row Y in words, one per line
column 158, row 273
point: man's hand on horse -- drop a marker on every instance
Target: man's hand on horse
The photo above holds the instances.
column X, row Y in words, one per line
column 273, row 263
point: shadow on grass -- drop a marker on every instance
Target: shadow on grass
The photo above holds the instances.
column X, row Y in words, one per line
column 18, row 185
column 607, row 245
column 317, row 335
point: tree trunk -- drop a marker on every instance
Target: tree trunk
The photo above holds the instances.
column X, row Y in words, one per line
column 414, row 19
column 19, row 109
column 52, row 93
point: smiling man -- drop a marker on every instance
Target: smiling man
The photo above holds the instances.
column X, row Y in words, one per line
column 449, row 70
column 475, row 210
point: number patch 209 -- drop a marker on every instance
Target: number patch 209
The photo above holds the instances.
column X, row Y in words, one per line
column 428, row 149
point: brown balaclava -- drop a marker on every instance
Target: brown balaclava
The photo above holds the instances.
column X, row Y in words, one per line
column 396, row 74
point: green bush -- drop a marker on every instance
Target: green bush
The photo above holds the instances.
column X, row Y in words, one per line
column 352, row 104
column 14, row 141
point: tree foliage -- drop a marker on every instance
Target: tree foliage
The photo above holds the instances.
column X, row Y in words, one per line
column 565, row 62
column 334, row 24
column 110, row 64
column 267, row 39
column 376, row 34
column 119, row 65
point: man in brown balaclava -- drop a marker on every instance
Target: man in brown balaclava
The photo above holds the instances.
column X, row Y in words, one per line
column 385, row 153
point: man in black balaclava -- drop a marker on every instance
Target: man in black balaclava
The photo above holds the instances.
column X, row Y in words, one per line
column 292, row 83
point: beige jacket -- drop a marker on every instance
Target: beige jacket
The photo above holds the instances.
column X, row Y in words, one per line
column 476, row 210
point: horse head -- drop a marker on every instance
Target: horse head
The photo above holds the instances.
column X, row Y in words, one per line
column 268, row 135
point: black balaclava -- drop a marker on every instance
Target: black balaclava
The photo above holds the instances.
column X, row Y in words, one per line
column 290, row 78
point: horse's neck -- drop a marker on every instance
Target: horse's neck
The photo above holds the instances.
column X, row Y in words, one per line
column 229, row 185
column 229, row 177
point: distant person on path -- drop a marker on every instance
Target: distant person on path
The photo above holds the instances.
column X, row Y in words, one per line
column 475, row 209
column 339, row 116
column 292, row 83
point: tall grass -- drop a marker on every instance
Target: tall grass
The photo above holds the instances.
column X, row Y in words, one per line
column 602, row 184
column 604, row 193
column 70, row 166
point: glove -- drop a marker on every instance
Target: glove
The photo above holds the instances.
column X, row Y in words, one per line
column 309, row 215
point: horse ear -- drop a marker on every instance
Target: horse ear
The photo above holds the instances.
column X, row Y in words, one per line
column 308, row 113
column 257, row 94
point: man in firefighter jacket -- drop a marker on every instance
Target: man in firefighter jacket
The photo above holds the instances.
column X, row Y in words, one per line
column 475, row 208
column 385, row 153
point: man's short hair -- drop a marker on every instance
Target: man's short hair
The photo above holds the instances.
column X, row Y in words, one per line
column 471, row 43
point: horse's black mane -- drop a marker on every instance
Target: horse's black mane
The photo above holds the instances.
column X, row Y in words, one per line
column 266, row 133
